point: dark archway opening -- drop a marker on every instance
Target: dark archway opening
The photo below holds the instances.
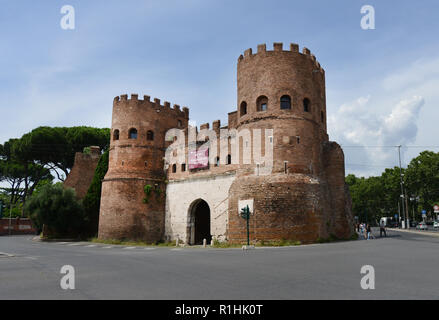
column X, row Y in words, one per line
column 201, row 223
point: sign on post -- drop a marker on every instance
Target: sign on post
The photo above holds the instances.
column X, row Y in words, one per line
column 436, row 208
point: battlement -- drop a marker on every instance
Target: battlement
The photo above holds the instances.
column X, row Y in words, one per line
column 278, row 47
column 166, row 107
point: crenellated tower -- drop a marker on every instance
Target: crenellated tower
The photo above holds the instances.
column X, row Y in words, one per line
column 137, row 152
column 303, row 198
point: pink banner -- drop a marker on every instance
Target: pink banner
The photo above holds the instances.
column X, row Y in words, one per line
column 199, row 159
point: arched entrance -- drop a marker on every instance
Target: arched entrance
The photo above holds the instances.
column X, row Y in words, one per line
column 199, row 222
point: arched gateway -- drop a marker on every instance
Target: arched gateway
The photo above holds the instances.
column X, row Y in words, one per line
column 199, row 223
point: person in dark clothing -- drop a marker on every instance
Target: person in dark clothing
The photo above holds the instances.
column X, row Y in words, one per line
column 368, row 230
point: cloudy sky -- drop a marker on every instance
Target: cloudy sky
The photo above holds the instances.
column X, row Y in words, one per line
column 382, row 84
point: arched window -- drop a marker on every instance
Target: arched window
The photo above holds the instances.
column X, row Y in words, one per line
column 116, row 134
column 229, row 159
column 183, row 167
column 179, row 123
column 132, row 133
column 262, row 103
column 285, row 102
column 217, row 162
column 150, row 135
column 306, row 105
column 174, row 168
column 243, row 109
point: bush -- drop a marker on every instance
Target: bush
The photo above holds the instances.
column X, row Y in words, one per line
column 92, row 199
column 58, row 209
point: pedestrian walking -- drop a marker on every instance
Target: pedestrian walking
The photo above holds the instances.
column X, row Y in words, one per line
column 362, row 230
column 382, row 229
column 368, row 230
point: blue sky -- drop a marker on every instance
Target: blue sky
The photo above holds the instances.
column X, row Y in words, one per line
column 382, row 84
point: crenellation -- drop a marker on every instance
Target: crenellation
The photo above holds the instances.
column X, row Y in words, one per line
column 146, row 98
column 157, row 102
column 123, row 97
column 216, row 124
column 262, row 48
column 167, row 104
column 294, row 47
column 278, row 46
column 134, row 96
column 176, row 107
column 186, row 112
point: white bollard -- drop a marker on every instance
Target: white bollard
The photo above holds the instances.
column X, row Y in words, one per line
column 176, row 242
column 204, row 243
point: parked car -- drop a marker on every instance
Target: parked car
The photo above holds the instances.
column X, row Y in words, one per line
column 436, row 225
column 422, row 226
column 391, row 224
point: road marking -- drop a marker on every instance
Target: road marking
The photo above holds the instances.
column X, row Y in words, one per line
column 61, row 242
column 91, row 245
column 176, row 249
column 74, row 244
column 149, row 249
column 107, row 247
column 4, row 254
column 130, row 248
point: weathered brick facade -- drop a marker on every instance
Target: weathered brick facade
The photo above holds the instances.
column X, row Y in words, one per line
column 303, row 198
column 82, row 173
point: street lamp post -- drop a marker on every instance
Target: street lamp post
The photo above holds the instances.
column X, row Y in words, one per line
column 402, row 188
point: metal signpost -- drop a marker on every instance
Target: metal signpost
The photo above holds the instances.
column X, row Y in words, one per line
column 10, row 217
column 245, row 214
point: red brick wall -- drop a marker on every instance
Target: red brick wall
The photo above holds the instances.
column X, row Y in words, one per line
column 135, row 163
column 18, row 226
column 309, row 200
column 82, row 173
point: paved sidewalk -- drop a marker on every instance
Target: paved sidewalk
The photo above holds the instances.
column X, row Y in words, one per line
column 426, row 233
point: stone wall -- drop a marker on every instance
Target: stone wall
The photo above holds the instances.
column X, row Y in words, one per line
column 182, row 194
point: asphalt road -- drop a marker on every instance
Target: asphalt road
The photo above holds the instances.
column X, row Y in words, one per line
column 406, row 267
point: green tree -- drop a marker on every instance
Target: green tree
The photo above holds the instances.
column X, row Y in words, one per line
column 422, row 179
column 58, row 209
column 21, row 175
column 55, row 147
column 92, row 199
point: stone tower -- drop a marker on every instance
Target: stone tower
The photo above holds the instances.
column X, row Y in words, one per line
column 137, row 150
column 304, row 198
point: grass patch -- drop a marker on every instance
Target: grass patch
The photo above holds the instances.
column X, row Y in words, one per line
column 279, row 243
column 333, row 238
column 133, row 243
column 218, row 244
